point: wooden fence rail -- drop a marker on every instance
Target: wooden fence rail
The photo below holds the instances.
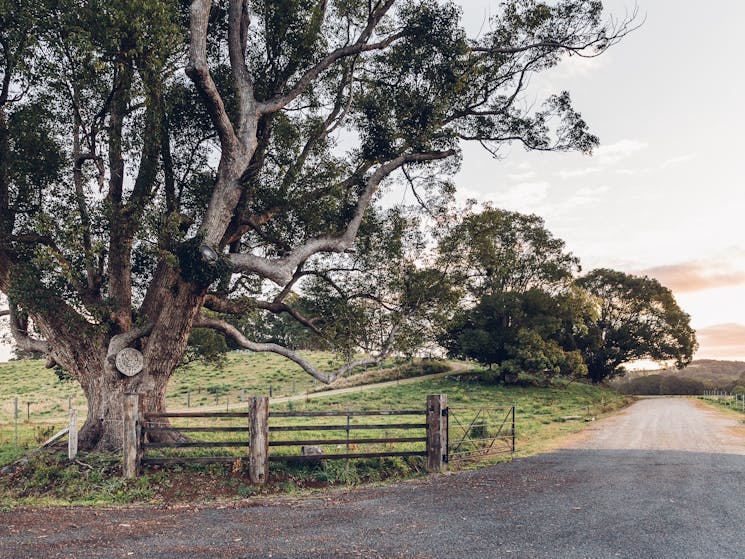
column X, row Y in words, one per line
column 141, row 431
column 348, row 442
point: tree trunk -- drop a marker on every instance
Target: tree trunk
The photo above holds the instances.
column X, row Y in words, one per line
column 105, row 392
column 105, row 389
column 171, row 306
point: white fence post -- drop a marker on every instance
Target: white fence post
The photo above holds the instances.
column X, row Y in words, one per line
column 72, row 435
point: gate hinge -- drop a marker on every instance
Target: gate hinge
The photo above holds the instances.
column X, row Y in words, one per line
column 445, row 412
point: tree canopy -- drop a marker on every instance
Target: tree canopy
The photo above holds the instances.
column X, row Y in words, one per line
column 638, row 318
column 524, row 314
column 163, row 164
column 524, row 308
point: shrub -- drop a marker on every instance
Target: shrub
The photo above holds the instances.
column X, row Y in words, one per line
column 479, row 431
column 421, row 368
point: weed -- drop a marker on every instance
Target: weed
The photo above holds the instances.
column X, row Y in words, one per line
column 43, row 432
column 247, row 490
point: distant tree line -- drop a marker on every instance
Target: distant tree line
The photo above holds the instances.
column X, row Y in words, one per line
column 525, row 308
column 666, row 384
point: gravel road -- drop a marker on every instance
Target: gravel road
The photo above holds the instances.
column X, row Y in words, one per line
column 665, row 478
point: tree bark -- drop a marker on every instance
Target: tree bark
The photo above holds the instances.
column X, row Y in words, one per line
column 171, row 306
column 105, row 392
column 105, row 389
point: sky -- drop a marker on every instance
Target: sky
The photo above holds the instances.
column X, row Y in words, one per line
column 664, row 194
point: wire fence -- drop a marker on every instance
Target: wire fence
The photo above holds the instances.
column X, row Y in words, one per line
column 26, row 423
column 734, row 401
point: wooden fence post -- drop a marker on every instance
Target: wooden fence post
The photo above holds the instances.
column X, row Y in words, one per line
column 131, row 443
column 436, row 431
column 258, row 430
column 72, row 435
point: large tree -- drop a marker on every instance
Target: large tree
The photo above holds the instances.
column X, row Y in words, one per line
column 638, row 318
column 137, row 204
column 520, row 310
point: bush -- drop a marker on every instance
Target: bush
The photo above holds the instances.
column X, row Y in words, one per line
column 421, row 368
column 479, row 431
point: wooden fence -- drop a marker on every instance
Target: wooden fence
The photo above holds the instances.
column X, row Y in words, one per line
column 349, row 443
column 429, row 426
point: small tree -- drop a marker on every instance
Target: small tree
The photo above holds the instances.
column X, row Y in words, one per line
column 638, row 318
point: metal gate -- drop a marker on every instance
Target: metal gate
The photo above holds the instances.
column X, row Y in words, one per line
column 478, row 432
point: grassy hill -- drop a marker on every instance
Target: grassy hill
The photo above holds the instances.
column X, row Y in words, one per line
column 243, row 374
column 43, row 398
column 705, row 370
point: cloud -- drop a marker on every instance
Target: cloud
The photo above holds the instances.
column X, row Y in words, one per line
column 698, row 275
column 523, row 197
column 611, row 153
column 522, row 165
column 606, row 156
column 463, row 194
column 588, row 194
column 572, row 66
column 721, row 341
column 675, row 160
column 522, row 176
column 579, row 172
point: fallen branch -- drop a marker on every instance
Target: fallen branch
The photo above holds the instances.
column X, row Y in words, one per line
column 51, row 440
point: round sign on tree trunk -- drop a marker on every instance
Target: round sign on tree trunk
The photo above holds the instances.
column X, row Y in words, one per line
column 129, row 361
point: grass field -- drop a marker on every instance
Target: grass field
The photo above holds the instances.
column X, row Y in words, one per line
column 541, row 420
column 43, row 399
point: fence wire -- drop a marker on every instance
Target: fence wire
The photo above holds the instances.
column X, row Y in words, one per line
column 477, row 432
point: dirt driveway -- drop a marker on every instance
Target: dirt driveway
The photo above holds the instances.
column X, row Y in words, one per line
column 665, row 478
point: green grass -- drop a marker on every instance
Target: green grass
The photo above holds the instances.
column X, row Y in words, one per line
column 539, row 410
column 540, row 413
column 540, row 417
column 244, row 374
column 726, row 403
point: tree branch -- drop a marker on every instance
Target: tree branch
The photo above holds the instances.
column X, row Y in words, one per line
column 120, row 341
column 280, row 270
column 218, row 304
column 21, row 336
column 238, row 22
column 601, row 41
column 356, row 48
column 199, row 73
column 326, row 378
